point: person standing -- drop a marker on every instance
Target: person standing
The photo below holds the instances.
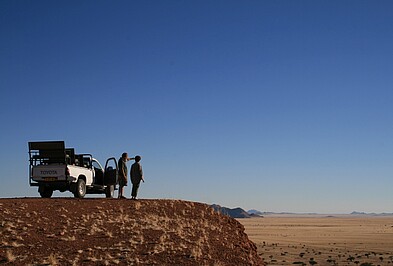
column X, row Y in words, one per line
column 123, row 180
column 136, row 176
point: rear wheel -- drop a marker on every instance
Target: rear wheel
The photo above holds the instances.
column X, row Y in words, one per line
column 45, row 192
column 80, row 190
column 110, row 191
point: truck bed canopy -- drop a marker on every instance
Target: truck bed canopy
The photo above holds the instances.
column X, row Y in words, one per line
column 47, row 145
column 47, row 152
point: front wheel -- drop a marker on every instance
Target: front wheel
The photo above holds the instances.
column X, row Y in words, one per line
column 80, row 190
column 45, row 192
column 110, row 191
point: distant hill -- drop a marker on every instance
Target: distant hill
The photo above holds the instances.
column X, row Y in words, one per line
column 255, row 212
column 234, row 213
column 240, row 213
column 371, row 214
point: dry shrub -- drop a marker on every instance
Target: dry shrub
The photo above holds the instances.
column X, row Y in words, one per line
column 19, row 238
column 16, row 245
column 53, row 260
column 95, row 229
column 123, row 218
column 85, row 218
column 68, row 238
column 9, row 256
column 196, row 252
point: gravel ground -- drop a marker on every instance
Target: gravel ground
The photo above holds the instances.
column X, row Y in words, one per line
column 68, row 231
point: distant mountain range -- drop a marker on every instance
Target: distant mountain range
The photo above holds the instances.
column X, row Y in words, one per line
column 255, row 212
column 236, row 212
column 372, row 213
column 240, row 213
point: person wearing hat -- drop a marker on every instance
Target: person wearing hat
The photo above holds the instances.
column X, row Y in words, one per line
column 136, row 176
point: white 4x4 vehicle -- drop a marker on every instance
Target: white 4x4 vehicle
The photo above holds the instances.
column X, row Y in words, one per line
column 53, row 167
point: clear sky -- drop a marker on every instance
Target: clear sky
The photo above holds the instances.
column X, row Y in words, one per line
column 270, row 105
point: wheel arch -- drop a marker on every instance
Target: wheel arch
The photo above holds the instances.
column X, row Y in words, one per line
column 82, row 177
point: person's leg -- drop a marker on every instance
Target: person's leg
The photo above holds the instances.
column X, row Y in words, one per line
column 120, row 191
column 135, row 187
column 133, row 190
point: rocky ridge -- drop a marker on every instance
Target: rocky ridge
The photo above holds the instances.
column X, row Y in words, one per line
column 68, row 231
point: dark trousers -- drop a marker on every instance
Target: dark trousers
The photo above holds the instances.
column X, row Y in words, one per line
column 135, row 187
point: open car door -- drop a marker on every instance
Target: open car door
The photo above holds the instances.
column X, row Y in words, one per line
column 110, row 176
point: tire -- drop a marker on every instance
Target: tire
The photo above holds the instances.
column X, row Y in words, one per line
column 110, row 191
column 45, row 192
column 80, row 189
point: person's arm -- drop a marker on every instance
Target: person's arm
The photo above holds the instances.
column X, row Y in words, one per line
column 141, row 172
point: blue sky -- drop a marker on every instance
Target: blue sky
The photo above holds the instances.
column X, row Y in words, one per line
column 271, row 105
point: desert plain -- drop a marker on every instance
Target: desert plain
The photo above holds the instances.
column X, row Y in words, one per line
column 322, row 239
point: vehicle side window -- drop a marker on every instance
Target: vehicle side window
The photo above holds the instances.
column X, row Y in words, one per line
column 96, row 166
column 86, row 162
